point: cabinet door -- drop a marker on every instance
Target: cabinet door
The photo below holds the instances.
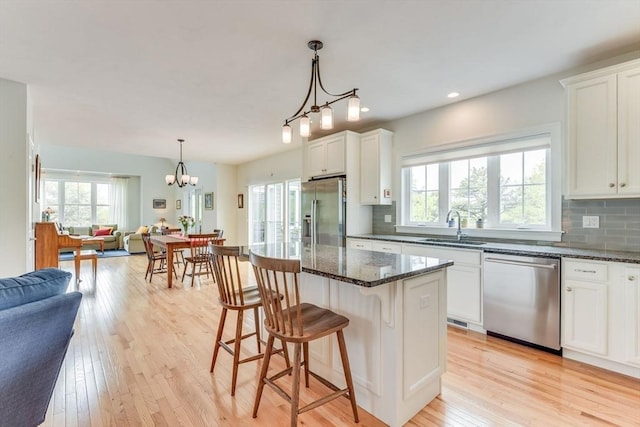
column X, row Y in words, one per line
column 369, row 170
column 632, row 315
column 592, row 136
column 585, row 316
column 335, row 153
column 464, row 293
column 629, row 132
column 317, row 158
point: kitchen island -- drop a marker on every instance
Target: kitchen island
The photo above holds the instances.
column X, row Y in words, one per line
column 396, row 338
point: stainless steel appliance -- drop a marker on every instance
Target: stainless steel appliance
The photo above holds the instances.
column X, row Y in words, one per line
column 522, row 299
column 324, row 211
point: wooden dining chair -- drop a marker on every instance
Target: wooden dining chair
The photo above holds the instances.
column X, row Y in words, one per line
column 178, row 255
column 235, row 297
column 298, row 323
column 199, row 256
column 153, row 257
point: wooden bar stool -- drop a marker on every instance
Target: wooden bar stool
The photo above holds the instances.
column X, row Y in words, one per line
column 298, row 323
column 233, row 296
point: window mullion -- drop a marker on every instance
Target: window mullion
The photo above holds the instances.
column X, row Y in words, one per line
column 443, row 195
column 493, row 190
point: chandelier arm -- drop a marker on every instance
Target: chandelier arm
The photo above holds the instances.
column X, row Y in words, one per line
column 322, row 87
column 311, row 85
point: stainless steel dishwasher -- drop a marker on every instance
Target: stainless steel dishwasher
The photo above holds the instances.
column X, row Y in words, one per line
column 522, row 299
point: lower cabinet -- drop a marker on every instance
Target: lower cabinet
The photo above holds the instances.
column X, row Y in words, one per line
column 601, row 315
column 464, row 281
column 632, row 315
column 585, row 310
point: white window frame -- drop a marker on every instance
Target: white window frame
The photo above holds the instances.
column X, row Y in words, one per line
column 487, row 146
column 61, row 179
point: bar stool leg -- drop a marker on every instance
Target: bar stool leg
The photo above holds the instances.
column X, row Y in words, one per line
column 347, row 374
column 236, row 351
column 216, row 346
column 257, row 323
column 263, row 375
column 295, row 392
column 305, row 348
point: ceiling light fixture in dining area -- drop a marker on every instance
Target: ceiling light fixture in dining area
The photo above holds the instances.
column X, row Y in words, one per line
column 181, row 176
column 326, row 116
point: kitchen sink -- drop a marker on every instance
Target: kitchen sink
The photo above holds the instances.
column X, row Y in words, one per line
column 452, row 241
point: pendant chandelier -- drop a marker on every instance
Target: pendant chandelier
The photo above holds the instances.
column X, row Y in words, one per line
column 326, row 118
column 181, row 176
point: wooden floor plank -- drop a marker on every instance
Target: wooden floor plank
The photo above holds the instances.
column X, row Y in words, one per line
column 141, row 353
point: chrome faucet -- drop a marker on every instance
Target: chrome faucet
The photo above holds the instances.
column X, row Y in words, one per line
column 459, row 234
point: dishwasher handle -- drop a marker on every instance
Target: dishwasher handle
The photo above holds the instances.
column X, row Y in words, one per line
column 522, row 263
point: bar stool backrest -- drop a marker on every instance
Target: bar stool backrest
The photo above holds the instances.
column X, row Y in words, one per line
column 276, row 276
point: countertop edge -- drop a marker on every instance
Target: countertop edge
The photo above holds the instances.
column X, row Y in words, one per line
column 382, row 281
column 517, row 249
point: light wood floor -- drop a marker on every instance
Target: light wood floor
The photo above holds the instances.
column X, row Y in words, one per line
column 141, row 353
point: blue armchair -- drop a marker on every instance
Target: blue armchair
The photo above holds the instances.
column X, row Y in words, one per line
column 36, row 325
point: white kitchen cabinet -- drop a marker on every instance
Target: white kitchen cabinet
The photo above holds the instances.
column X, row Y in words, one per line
column 584, row 306
column 326, row 156
column 375, row 245
column 600, row 314
column 603, row 132
column 375, row 167
column 631, row 280
column 464, row 281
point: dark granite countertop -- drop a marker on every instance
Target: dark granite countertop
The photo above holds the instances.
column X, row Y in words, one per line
column 362, row 268
column 516, row 248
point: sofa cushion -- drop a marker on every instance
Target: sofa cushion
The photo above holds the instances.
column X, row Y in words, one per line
column 32, row 286
column 142, row 229
column 106, row 231
column 95, row 227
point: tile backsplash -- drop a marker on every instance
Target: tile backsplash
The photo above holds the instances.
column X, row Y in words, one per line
column 619, row 227
column 619, row 224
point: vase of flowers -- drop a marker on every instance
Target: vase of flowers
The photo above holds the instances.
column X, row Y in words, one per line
column 186, row 221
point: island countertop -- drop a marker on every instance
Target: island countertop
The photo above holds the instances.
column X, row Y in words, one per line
column 356, row 266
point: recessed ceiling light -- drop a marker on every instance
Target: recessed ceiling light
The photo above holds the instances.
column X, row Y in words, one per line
column 365, row 109
column 453, row 95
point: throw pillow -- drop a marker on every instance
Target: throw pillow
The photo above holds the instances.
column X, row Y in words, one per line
column 102, row 232
column 142, row 229
column 32, row 286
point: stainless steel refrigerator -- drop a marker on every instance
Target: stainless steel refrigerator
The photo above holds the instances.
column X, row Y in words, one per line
column 324, row 211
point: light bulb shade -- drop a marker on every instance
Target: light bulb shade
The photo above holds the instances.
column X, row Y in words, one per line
column 353, row 110
column 185, row 179
column 326, row 121
column 193, row 180
column 170, row 179
column 305, row 126
column 286, row 134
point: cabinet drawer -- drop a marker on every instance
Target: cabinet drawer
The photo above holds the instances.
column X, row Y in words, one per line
column 588, row 270
column 390, row 248
column 360, row 244
column 459, row 256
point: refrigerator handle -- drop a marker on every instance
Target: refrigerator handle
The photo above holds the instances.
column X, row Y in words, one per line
column 314, row 223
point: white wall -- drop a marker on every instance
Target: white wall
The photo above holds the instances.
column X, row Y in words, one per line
column 276, row 168
column 16, row 253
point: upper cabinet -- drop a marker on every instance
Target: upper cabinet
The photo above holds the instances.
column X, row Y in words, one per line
column 375, row 167
column 603, row 132
column 326, row 156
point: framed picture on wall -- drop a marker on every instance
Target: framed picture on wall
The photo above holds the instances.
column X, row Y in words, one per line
column 159, row 203
column 178, row 204
column 208, row 200
column 240, row 201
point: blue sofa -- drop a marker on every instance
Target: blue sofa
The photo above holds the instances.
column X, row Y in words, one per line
column 36, row 318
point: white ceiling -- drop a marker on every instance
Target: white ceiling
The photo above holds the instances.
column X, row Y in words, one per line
column 133, row 76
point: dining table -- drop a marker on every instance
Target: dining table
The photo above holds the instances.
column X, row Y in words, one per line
column 170, row 243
